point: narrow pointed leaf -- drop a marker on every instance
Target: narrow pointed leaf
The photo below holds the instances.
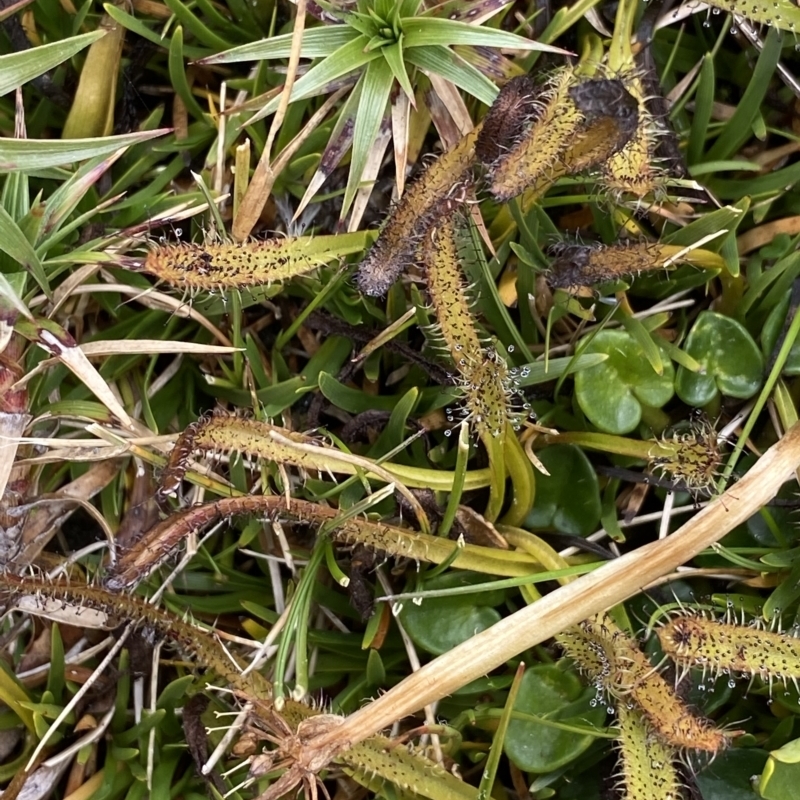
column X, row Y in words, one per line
column 18, row 68
column 14, row 244
column 378, row 80
column 393, row 54
column 317, row 43
column 444, row 62
column 346, row 59
column 338, row 144
column 66, row 197
column 426, row 31
column 18, row 155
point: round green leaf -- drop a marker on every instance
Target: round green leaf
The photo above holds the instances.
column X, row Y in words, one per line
column 439, row 625
column 731, row 361
column 728, row 776
column 769, row 336
column 547, row 692
column 611, row 394
column 569, row 498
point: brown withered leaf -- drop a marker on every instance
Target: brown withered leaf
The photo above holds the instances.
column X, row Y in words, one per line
column 197, row 739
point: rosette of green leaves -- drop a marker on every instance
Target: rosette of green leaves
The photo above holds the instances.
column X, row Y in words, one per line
column 385, row 45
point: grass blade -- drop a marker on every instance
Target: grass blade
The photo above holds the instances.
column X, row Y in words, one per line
column 18, row 68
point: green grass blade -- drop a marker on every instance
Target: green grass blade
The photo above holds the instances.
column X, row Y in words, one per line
column 703, row 104
column 193, row 24
column 317, row 43
column 739, row 128
column 427, row 31
column 14, row 244
column 26, row 155
column 138, row 27
column 177, row 74
column 378, row 81
column 18, row 68
column 444, row 62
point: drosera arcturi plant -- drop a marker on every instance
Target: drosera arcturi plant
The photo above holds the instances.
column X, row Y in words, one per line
column 135, row 562
column 690, row 455
column 616, row 666
column 224, row 432
column 485, row 380
column 345, row 304
column 647, row 765
column 371, row 762
column 611, row 658
column 228, row 266
column 443, row 186
column 725, row 646
column 574, row 124
column 578, row 266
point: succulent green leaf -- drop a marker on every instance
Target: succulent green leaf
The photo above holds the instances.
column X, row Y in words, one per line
column 781, row 773
column 732, row 363
column 568, row 499
column 548, row 692
column 439, row 625
column 611, row 394
column 18, row 68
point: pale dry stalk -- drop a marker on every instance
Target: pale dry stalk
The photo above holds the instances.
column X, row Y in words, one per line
column 570, row 604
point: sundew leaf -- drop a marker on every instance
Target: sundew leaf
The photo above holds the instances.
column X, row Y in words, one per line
column 781, row 14
column 18, row 68
column 27, row 155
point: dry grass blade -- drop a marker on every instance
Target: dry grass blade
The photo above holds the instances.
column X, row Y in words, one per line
column 60, row 344
column 264, row 176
